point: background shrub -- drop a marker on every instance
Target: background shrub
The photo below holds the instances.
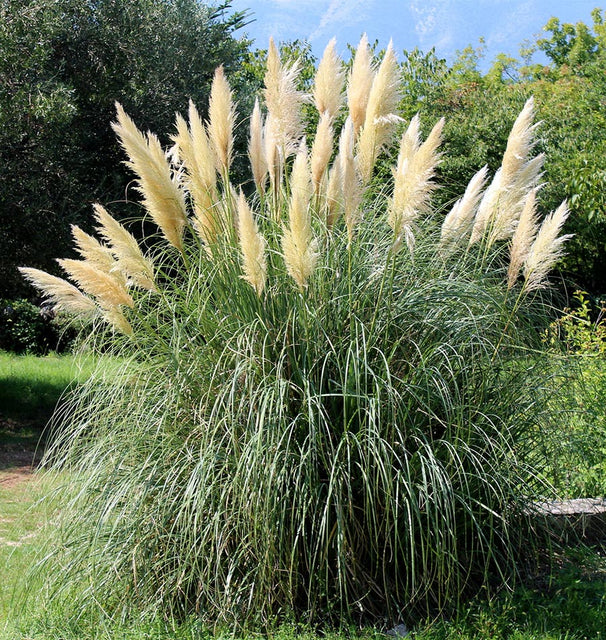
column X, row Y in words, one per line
column 26, row 328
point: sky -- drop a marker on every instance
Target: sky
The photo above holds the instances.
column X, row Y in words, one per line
column 447, row 25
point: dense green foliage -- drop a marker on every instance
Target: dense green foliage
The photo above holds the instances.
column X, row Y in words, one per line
column 24, row 327
column 62, row 66
column 575, row 444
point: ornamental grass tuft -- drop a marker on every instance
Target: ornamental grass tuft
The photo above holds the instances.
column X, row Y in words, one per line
column 324, row 395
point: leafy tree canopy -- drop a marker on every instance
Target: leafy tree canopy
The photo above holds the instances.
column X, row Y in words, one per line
column 63, row 64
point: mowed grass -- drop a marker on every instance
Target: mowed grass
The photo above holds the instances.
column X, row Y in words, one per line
column 30, row 387
column 21, row 525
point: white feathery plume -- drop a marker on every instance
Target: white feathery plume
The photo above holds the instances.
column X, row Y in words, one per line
column 116, row 318
column 273, row 152
column 546, row 249
column 221, row 118
column 334, row 193
column 413, row 179
column 194, row 150
column 519, row 143
column 523, row 238
column 350, row 183
column 93, row 251
column 63, row 295
column 359, row 83
column 256, row 148
column 162, row 196
column 129, row 258
column 381, row 114
column 283, row 102
column 299, row 248
column 252, row 245
column 108, row 290
column 328, row 82
column 503, row 201
column 458, row 222
column 321, row 150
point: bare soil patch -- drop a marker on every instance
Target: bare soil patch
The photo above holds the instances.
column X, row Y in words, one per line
column 18, row 461
column 16, row 465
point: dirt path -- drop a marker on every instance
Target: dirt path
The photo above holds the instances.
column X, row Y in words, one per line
column 18, row 460
column 17, row 465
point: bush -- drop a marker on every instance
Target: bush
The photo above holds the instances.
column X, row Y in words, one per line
column 323, row 406
column 575, row 444
column 25, row 328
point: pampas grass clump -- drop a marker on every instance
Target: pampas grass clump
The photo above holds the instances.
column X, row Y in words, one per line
column 323, row 396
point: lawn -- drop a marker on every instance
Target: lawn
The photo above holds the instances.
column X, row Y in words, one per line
column 30, row 387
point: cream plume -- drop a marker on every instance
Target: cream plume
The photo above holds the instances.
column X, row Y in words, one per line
column 334, row 194
column 503, row 201
column 283, row 102
column 256, row 148
column 273, row 154
column 93, row 251
column 350, row 184
column 546, row 249
column 328, row 82
column 252, row 245
column 519, row 143
column 298, row 244
column 117, row 319
column 458, row 222
column 162, row 196
column 194, row 151
column 413, row 178
column 221, row 118
column 523, row 239
column 359, row 83
column 381, row 116
column 129, row 257
column 63, row 295
column 106, row 288
column 321, row 150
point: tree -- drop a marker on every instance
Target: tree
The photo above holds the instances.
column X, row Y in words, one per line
column 63, row 64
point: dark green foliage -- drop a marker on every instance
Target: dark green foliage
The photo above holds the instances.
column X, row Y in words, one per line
column 563, row 601
column 25, row 328
column 575, row 443
column 62, row 66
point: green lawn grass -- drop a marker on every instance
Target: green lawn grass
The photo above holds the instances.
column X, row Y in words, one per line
column 30, row 387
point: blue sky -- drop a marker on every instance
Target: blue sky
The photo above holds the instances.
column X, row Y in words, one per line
column 446, row 24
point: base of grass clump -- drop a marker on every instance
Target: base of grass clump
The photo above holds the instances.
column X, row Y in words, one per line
column 382, row 477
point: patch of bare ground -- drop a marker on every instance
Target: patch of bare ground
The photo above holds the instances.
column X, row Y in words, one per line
column 18, row 461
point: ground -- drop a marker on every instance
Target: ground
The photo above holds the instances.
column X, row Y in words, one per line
column 18, row 460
